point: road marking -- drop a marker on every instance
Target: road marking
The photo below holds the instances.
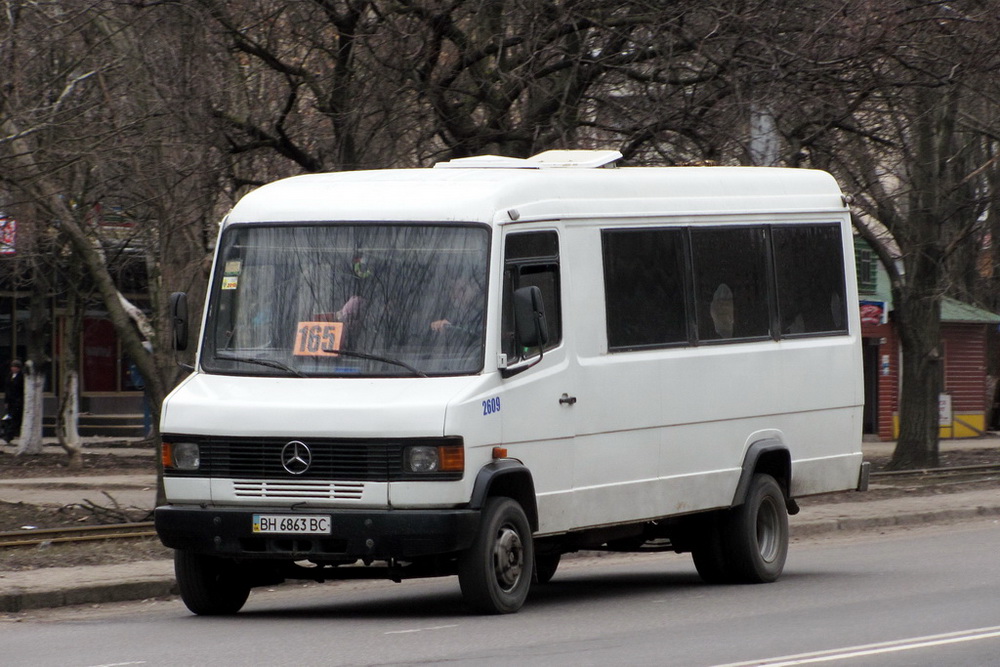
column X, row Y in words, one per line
column 864, row 650
column 411, row 631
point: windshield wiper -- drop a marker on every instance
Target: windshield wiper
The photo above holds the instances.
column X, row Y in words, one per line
column 375, row 357
column 272, row 363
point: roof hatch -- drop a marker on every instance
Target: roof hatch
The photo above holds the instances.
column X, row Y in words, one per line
column 570, row 159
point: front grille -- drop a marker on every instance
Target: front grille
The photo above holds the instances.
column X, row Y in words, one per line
column 248, row 459
column 361, row 460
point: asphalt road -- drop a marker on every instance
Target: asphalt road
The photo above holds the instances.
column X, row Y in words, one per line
column 927, row 595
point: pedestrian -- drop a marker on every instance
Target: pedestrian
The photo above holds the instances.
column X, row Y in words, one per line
column 14, row 396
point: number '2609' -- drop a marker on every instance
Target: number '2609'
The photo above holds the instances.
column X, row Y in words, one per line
column 491, row 406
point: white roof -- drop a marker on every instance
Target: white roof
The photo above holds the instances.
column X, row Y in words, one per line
column 501, row 194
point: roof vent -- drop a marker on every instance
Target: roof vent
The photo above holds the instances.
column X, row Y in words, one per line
column 576, row 159
column 486, row 162
column 546, row 160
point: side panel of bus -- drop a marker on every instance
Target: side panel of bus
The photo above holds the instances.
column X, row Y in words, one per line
column 664, row 395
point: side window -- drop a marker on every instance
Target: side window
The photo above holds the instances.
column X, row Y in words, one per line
column 531, row 258
column 644, row 276
column 809, row 271
column 730, row 281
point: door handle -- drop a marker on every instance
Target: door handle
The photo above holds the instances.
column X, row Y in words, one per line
column 566, row 399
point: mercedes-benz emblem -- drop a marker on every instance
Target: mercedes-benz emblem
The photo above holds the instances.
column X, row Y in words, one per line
column 296, row 457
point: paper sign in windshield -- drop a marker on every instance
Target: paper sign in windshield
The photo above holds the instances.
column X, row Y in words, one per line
column 315, row 339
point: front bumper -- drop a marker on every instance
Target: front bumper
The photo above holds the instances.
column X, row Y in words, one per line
column 356, row 534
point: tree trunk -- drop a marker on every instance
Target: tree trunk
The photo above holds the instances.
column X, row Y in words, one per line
column 920, row 341
column 934, row 204
column 30, row 440
column 68, row 419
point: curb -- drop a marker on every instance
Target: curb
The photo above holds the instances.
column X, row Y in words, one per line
column 950, row 515
column 121, row 591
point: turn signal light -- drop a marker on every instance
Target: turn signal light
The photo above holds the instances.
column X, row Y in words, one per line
column 452, row 458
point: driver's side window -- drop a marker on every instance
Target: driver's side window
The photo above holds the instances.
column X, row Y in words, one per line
column 531, row 259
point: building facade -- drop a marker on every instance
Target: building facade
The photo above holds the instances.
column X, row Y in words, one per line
column 966, row 401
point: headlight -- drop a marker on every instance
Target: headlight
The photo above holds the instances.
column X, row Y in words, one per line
column 421, row 459
column 181, row 455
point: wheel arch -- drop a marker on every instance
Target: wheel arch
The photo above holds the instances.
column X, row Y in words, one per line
column 769, row 456
column 510, row 478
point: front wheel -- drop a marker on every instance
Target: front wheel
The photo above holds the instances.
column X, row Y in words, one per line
column 495, row 573
column 756, row 539
column 210, row 586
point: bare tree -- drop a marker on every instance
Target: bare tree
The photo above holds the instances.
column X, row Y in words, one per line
column 299, row 85
column 346, row 84
column 898, row 98
column 170, row 111
column 914, row 156
column 84, row 124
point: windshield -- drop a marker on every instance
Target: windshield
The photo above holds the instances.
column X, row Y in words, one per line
column 348, row 299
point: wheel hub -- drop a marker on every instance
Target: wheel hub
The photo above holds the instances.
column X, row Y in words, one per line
column 508, row 558
column 767, row 531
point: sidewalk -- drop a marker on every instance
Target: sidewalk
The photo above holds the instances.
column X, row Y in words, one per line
column 132, row 490
column 53, row 587
column 991, row 441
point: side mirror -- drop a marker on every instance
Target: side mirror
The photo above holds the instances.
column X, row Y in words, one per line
column 529, row 317
column 179, row 320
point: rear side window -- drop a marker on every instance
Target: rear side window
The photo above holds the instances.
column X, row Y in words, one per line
column 809, row 272
column 730, row 280
column 644, row 287
column 698, row 285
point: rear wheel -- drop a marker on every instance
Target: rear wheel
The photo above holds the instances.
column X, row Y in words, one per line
column 210, row 586
column 755, row 540
column 496, row 572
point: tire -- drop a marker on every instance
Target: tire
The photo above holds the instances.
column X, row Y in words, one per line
column 210, row 586
column 755, row 537
column 546, row 566
column 495, row 573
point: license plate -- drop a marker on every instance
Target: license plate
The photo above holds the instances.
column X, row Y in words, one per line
column 291, row 524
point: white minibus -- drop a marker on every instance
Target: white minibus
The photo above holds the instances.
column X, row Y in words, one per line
column 478, row 368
